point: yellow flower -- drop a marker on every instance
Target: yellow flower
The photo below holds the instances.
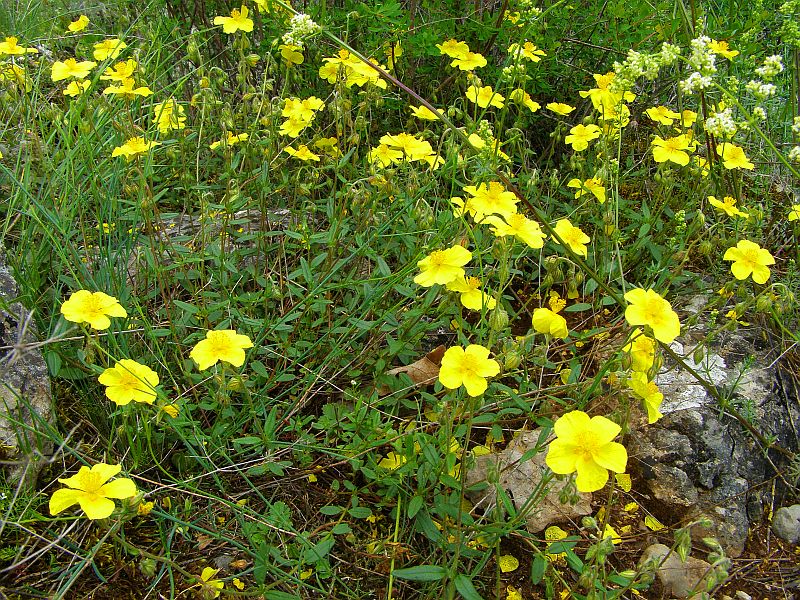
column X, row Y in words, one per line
column 493, row 199
column 548, row 322
column 468, row 367
column 236, row 22
column 722, row 49
column 120, row 72
column 647, row 307
column 78, row 24
column 93, row 308
column 605, row 101
column 108, row 49
column 453, row 48
column 648, row 392
column 585, row 445
column 688, row 118
column 580, row 136
column 303, row 110
column 671, row 149
column 210, row 588
column 662, row 114
column 133, row 147
column 171, row 409
column 292, row 54
column 513, row 593
column 485, row 97
column 520, row 96
column 560, row 108
column 384, row 155
column 471, row 295
column 145, row 508
column 572, row 236
column 794, row 214
column 642, row 350
column 424, row 113
column 238, row 584
column 169, row 115
column 728, row 206
column 749, row 259
column 302, row 153
column 89, row 489
column 292, row 127
column 413, row 148
column 76, row 88
column 220, row 345
column 129, row 381
column 230, row 140
column 469, row 61
column 442, row 266
column 11, row 47
column 527, row 50
column 508, row 563
column 71, row 68
column 392, row 461
column 127, row 90
column 328, row 145
column 593, row 186
column 733, row 157
column 518, row 225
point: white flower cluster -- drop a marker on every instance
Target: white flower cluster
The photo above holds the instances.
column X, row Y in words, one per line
column 771, row 67
column 794, row 154
column 301, row 27
column 796, row 125
column 694, row 83
column 634, row 66
column 515, row 70
column 721, row 124
column 703, row 64
column 669, row 53
column 759, row 113
column 760, row 90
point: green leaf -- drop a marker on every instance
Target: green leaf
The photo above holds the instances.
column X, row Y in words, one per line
column 319, row 551
column 465, row 588
column 186, row 307
column 578, row 307
column 413, row 506
column 360, row 512
column 276, row 595
column 538, row 567
column 331, row 510
column 341, row 528
column 421, row 573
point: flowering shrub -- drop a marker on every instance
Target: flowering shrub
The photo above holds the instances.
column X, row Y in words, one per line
column 356, row 252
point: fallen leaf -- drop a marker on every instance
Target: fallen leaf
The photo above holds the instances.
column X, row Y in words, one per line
column 421, row 372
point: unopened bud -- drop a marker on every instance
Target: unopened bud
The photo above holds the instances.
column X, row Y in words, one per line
column 498, row 320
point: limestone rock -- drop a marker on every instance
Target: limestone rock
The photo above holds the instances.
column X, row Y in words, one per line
column 698, row 460
column 680, row 579
column 786, row 523
column 25, row 396
column 520, row 481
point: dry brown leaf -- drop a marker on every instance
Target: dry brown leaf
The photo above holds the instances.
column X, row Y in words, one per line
column 421, row 372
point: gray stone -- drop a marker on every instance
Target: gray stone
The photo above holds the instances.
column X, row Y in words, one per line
column 680, row 579
column 786, row 523
column 25, row 397
column 699, row 460
column 520, row 481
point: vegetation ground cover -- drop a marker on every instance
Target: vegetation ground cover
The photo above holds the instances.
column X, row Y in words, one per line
column 233, row 223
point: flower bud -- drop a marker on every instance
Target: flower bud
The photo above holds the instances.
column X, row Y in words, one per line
column 498, row 320
column 764, row 303
column 193, row 51
column 511, row 360
column 147, row 566
column 252, row 59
